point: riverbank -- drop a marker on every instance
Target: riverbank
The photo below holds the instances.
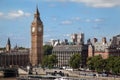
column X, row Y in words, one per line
column 81, row 77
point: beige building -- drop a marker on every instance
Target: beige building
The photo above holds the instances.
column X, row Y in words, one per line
column 77, row 38
column 65, row 50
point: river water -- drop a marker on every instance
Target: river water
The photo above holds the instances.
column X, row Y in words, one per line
column 7, row 78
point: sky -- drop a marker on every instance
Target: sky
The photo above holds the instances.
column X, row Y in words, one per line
column 61, row 18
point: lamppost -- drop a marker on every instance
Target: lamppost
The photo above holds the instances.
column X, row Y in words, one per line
column 28, row 69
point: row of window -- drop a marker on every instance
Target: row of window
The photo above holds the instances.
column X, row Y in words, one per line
column 6, row 60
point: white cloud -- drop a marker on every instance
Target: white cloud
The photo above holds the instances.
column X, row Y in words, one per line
column 94, row 3
column 66, row 35
column 54, row 19
column 95, row 20
column 27, row 14
column 76, row 18
column 1, row 14
column 88, row 20
column 98, row 20
column 14, row 14
column 17, row 14
column 70, row 21
column 52, row 5
column 100, row 3
column 66, row 22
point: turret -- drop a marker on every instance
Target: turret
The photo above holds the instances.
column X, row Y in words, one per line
column 8, row 45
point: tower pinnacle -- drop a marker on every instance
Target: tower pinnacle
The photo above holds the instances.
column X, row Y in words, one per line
column 36, row 39
column 37, row 11
column 8, row 42
column 37, row 15
column 8, row 46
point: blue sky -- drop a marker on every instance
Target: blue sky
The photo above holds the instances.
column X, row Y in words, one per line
column 94, row 18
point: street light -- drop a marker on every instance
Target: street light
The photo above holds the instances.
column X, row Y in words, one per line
column 28, row 68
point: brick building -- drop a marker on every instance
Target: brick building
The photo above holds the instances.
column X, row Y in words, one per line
column 104, row 48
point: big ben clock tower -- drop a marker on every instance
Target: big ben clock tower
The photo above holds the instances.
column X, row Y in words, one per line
column 36, row 39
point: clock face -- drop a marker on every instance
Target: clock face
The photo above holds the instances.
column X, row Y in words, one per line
column 39, row 28
column 33, row 29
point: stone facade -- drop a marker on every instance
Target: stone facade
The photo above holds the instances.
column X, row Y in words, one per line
column 36, row 39
column 64, row 52
column 14, row 58
column 8, row 46
column 77, row 38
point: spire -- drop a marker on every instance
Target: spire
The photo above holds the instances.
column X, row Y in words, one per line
column 8, row 42
column 37, row 15
column 8, row 46
column 37, row 11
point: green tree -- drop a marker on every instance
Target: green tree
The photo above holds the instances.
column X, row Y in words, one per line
column 96, row 63
column 49, row 61
column 47, row 49
column 112, row 64
column 52, row 61
column 109, row 64
column 45, row 62
column 75, row 61
column 116, row 65
column 90, row 63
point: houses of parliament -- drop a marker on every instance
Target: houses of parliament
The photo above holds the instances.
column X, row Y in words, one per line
column 64, row 50
column 25, row 56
